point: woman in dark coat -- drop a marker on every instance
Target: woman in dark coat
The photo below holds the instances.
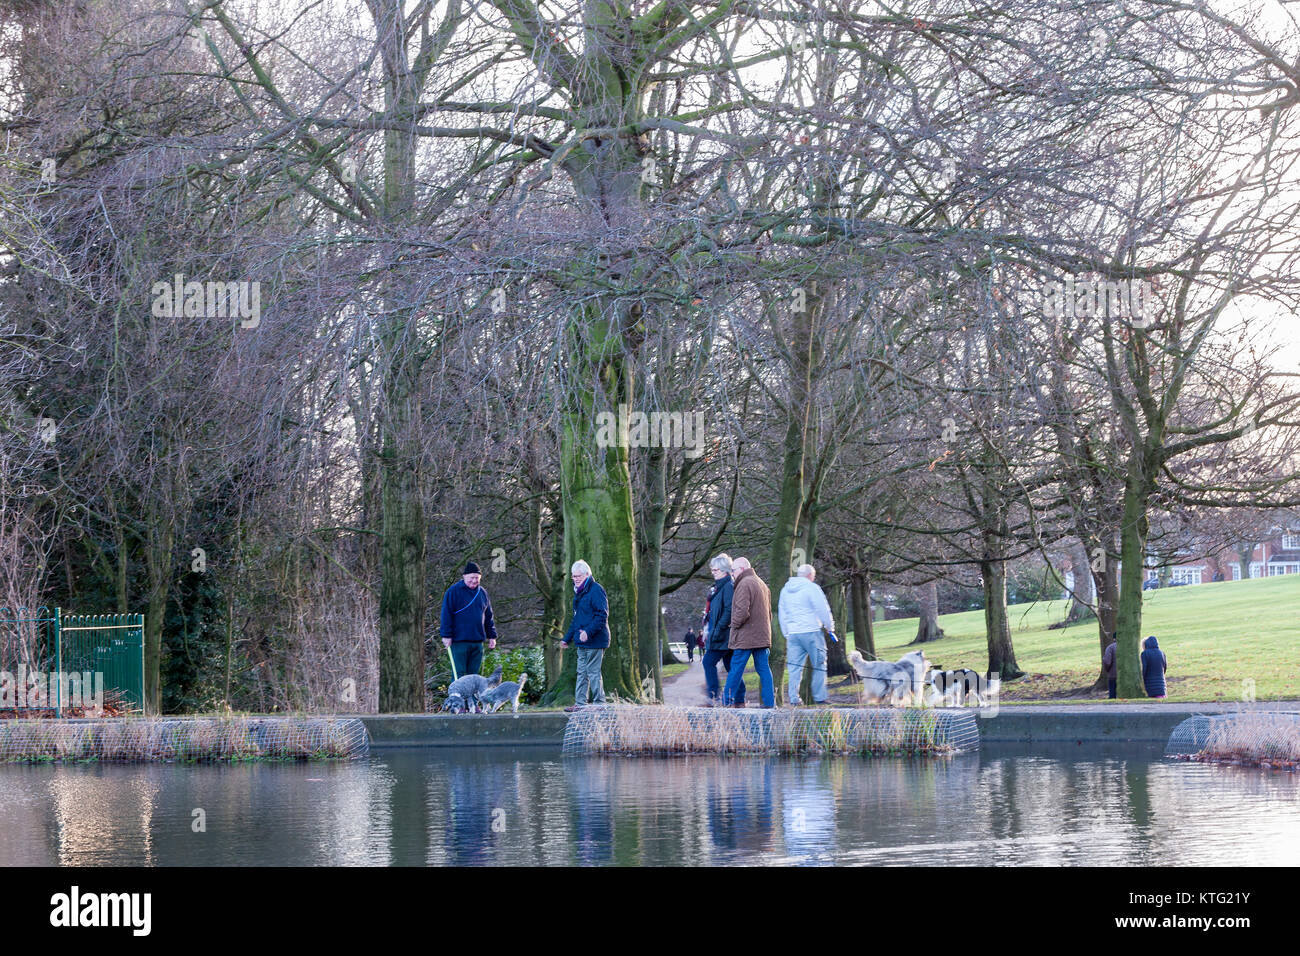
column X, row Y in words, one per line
column 1154, row 665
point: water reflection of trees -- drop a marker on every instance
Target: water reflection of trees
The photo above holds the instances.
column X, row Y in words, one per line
column 496, row 808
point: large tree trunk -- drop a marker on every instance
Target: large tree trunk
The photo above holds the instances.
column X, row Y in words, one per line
column 553, row 576
column 837, row 655
column 401, row 555
column 1002, row 656
column 1132, row 552
column 1082, row 601
column 601, row 338
column 159, row 541
column 783, row 539
column 650, row 621
column 794, row 487
column 864, row 636
column 599, row 529
column 402, row 528
column 1105, row 579
column 927, row 627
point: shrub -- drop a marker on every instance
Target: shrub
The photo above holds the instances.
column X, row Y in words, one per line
column 526, row 658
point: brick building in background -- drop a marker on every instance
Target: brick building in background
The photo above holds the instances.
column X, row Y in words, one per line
column 1279, row 554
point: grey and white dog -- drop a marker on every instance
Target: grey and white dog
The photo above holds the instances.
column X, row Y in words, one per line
column 465, row 693
column 506, row 692
column 898, row 683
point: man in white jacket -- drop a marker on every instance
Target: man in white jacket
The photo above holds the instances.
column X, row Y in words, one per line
column 803, row 612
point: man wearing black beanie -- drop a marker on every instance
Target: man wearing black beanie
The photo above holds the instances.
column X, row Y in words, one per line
column 467, row 622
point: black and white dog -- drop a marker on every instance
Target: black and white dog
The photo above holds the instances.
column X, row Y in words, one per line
column 957, row 688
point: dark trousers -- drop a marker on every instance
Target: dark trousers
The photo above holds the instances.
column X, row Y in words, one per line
column 711, row 659
column 1111, row 684
column 690, row 651
column 468, row 656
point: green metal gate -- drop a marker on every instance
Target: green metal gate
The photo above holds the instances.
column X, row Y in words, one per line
column 51, row 642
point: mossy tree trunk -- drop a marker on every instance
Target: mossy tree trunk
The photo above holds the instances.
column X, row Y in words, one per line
column 650, row 620
column 1132, row 553
column 402, row 527
column 794, row 485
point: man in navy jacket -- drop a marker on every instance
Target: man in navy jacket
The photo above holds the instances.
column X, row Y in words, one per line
column 590, row 632
column 467, row 622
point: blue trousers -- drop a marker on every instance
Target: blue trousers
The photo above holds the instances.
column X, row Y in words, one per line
column 711, row 659
column 736, row 676
column 806, row 647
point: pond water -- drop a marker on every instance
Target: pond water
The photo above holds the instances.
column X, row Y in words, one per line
column 1003, row 805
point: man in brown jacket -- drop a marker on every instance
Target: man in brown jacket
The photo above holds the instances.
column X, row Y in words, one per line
column 751, row 633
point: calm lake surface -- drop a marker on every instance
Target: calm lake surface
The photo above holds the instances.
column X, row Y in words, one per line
column 1003, row 805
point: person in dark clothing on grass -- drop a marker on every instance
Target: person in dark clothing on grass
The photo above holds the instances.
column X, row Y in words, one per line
column 467, row 622
column 1108, row 663
column 1154, row 665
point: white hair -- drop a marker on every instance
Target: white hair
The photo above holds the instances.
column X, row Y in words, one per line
column 721, row 563
column 741, row 564
column 582, row 566
column 805, row 571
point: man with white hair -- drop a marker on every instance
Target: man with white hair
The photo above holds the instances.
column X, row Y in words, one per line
column 589, row 628
column 751, row 634
column 803, row 612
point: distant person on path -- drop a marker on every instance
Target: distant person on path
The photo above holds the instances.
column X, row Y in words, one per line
column 589, row 632
column 690, row 647
column 467, row 622
column 1108, row 662
column 718, row 628
column 751, row 634
column 1154, row 665
column 803, row 612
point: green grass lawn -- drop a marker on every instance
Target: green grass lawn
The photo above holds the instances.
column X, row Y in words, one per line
column 1216, row 637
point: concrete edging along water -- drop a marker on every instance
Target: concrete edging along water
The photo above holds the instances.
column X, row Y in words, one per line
column 1021, row 723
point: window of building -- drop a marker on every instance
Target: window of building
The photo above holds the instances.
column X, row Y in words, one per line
column 1186, row 576
column 1283, row 567
column 1291, row 542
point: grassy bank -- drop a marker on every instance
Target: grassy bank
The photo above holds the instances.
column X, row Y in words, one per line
column 1217, row 637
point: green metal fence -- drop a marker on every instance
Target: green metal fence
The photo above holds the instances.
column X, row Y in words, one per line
column 108, row 644
column 54, row 643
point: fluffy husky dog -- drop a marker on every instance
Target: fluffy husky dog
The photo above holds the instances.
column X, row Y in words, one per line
column 498, row 696
column 465, row 693
column 898, row 683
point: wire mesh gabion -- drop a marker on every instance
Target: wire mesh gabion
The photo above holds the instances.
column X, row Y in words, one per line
column 1268, row 738
column 183, row 739
column 614, row 729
